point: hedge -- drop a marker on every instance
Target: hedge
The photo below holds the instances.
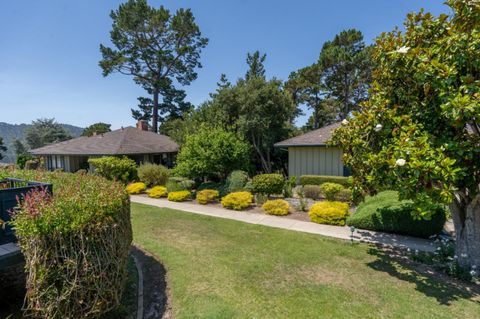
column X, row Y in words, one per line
column 384, row 212
column 320, row 179
column 62, row 238
column 268, row 184
column 121, row 169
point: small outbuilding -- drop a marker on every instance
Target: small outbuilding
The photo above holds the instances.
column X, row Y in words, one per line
column 137, row 143
column 309, row 154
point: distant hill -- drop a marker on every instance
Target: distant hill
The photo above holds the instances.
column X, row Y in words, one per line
column 9, row 132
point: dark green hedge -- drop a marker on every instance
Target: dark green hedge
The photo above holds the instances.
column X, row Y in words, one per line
column 320, row 179
column 384, row 212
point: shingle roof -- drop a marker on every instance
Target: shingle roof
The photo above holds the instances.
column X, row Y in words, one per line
column 313, row 138
column 125, row 141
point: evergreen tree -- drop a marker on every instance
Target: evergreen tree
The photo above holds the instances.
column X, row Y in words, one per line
column 45, row 131
column 3, row 148
column 97, row 128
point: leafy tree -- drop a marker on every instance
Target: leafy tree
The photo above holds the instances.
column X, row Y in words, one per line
column 3, row 148
column 19, row 147
column 419, row 132
column 45, row 131
column 155, row 47
column 346, row 66
column 255, row 65
column 212, row 153
column 97, row 128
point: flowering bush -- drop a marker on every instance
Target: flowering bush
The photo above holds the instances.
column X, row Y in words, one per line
column 277, row 207
column 206, row 196
column 330, row 190
column 61, row 237
column 136, row 188
column 237, row 200
column 179, row 196
column 157, row 192
column 330, row 213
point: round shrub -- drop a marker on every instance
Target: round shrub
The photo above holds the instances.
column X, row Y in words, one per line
column 121, row 169
column 384, row 212
column 62, row 237
column 277, row 207
column 330, row 190
column 179, row 196
column 153, row 174
column 312, row 191
column 206, row 196
column 236, row 181
column 345, row 195
column 157, row 192
column 268, row 184
column 136, row 188
column 330, row 213
column 237, row 200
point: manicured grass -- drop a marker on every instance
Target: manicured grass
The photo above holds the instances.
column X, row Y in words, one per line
column 219, row 268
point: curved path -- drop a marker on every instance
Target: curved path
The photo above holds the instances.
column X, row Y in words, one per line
column 292, row 224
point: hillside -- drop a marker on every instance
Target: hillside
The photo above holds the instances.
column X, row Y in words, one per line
column 9, row 132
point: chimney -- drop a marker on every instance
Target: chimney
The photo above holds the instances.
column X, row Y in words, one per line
column 142, row 125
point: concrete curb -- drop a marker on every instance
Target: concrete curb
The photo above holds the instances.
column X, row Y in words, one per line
column 138, row 264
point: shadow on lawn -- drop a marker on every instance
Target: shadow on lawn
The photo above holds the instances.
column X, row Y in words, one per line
column 429, row 282
column 155, row 297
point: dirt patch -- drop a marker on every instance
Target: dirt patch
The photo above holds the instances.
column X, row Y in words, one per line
column 155, row 296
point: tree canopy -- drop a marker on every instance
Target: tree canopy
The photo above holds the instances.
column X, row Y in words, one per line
column 45, row 131
column 3, row 148
column 97, row 128
column 419, row 131
column 157, row 48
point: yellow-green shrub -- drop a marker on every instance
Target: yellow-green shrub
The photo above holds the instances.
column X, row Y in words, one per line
column 330, row 190
column 157, row 192
column 237, row 200
column 277, row 207
column 179, row 196
column 136, row 188
column 330, row 213
column 206, row 196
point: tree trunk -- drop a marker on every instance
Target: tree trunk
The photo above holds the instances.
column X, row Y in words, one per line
column 466, row 219
column 155, row 112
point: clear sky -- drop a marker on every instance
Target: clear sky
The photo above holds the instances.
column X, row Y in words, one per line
column 49, row 50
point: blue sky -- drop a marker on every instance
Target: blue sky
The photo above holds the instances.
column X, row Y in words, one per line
column 49, row 50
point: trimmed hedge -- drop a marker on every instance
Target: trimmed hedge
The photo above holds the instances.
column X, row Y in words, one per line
column 121, row 169
column 62, row 237
column 384, row 212
column 237, row 200
column 277, row 207
column 320, row 179
column 268, row 184
column 330, row 213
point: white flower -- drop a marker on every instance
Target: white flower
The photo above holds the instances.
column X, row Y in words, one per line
column 345, row 122
column 400, row 162
column 463, row 255
column 378, row 127
column 403, row 50
column 455, row 257
column 473, row 273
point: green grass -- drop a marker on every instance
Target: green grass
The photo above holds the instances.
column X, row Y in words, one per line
column 219, row 268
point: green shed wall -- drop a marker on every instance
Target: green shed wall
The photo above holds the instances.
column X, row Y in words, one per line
column 315, row 160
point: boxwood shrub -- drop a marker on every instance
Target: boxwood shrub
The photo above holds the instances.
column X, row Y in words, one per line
column 330, row 190
column 153, row 174
column 384, row 212
column 136, row 188
column 268, row 184
column 330, row 213
column 237, row 200
column 179, row 196
column 277, row 207
column 75, row 244
column 320, row 179
column 157, row 192
column 206, row 196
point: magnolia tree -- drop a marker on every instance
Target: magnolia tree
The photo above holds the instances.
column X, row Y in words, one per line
column 419, row 131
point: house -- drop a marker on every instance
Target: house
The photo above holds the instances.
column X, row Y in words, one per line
column 309, row 154
column 137, row 143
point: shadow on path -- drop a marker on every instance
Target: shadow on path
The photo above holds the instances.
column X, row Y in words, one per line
column 431, row 283
column 155, row 297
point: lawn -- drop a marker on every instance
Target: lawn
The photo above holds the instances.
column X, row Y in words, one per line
column 219, row 268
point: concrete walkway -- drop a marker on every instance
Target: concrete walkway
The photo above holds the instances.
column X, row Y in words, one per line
column 292, row 224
